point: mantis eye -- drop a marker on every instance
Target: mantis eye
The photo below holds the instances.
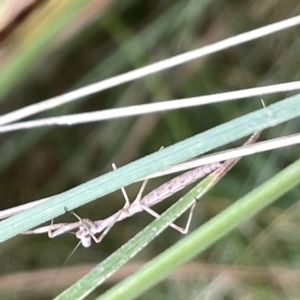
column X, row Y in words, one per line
column 84, row 236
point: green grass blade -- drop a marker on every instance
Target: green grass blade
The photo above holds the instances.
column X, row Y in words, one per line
column 240, row 127
column 206, row 235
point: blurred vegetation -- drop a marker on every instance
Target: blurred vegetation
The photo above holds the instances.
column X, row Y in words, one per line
column 58, row 47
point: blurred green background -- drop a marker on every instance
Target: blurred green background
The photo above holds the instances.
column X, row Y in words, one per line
column 57, row 46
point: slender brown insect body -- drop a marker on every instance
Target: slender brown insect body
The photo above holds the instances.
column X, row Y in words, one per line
column 87, row 228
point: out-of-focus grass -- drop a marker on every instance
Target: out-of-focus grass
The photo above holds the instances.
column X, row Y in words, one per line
column 124, row 36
